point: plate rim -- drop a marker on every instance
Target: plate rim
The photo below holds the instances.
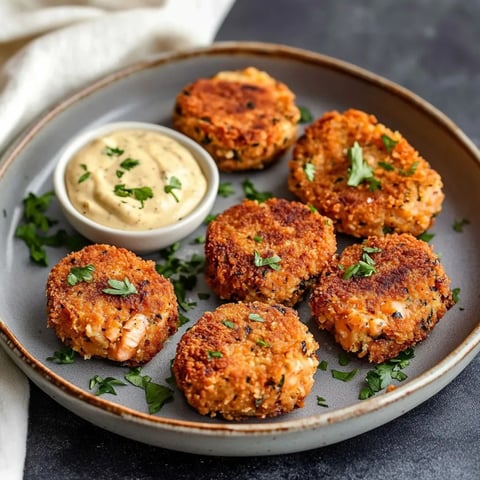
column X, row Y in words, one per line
column 452, row 364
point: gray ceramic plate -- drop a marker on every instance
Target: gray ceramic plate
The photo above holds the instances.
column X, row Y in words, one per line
column 146, row 92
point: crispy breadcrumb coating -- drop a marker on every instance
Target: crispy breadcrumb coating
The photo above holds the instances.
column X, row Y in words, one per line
column 128, row 328
column 243, row 239
column 245, row 119
column 404, row 196
column 397, row 306
column 246, row 360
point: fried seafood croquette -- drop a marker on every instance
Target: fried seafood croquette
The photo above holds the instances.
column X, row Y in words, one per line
column 245, row 119
column 386, row 304
column 270, row 251
column 128, row 325
column 392, row 188
column 246, row 360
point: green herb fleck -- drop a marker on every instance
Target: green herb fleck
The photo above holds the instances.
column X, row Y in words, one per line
column 456, row 294
column 459, row 224
column 104, row 385
column 255, row 317
column 309, row 169
column 203, row 296
column 129, row 163
column 64, row 356
column 321, row 402
column 389, row 143
column 200, row 240
column 226, row 189
column 305, row 114
column 253, row 194
column 364, row 267
column 85, row 175
column 343, row 359
column 386, row 166
column 120, row 287
column 344, row 376
column 213, row 354
column 113, row 151
column 80, row 274
column 359, row 171
column 410, row 171
column 383, row 374
column 262, row 343
column 210, row 218
column 425, row 236
column 323, row 365
column 141, row 193
column 173, row 184
column 273, row 262
column 229, row 324
column 155, row 395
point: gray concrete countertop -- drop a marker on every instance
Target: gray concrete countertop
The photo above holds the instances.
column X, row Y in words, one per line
column 431, row 47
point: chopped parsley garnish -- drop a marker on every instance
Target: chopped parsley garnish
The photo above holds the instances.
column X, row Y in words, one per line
column 37, row 224
column 209, row 218
column 383, row 374
column 459, row 224
column 253, row 194
column 389, row 143
column 344, row 376
column 426, row 236
column 323, row 365
column 359, row 170
column 305, row 114
column 273, row 262
column 225, row 189
column 85, row 175
column 456, row 294
column 364, row 267
column 255, row 317
column 182, row 274
column 104, row 385
column 229, row 324
column 64, row 356
column 321, row 402
column 200, row 240
column 141, row 193
column 80, row 274
column 410, row 171
column 214, row 354
column 156, row 395
column 309, row 169
column 113, row 151
column 386, row 166
column 120, row 287
column 262, row 343
column 203, row 296
column 173, row 184
column 343, row 359
column 129, row 163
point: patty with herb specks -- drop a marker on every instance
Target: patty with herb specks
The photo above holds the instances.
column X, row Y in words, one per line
column 382, row 296
column 246, row 360
column 105, row 301
column 245, row 118
column 367, row 178
column 268, row 251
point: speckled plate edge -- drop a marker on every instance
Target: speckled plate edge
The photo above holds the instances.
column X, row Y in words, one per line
column 245, row 439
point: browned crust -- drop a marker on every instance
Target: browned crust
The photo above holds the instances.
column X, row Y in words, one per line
column 396, row 307
column 87, row 319
column 244, row 119
column 302, row 238
column 405, row 203
column 261, row 369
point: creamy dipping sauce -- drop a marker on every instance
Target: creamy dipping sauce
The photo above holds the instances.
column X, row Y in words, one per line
column 135, row 180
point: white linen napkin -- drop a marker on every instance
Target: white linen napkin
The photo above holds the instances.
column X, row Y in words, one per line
column 47, row 50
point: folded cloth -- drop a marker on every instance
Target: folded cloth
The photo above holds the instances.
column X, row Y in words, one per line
column 48, row 50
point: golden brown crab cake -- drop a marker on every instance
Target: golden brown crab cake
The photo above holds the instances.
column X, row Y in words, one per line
column 105, row 301
column 382, row 296
column 245, row 118
column 364, row 176
column 271, row 251
column 246, row 360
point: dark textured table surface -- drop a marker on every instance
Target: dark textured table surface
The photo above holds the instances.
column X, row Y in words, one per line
column 432, row 47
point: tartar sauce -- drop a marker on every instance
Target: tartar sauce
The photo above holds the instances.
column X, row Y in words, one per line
column 135, row 180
